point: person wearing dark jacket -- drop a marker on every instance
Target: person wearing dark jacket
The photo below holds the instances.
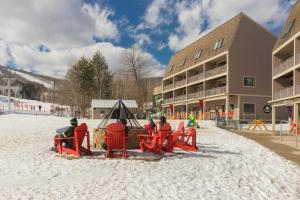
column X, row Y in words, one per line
column 163, row 123
column 124, row 121
column 67, row 132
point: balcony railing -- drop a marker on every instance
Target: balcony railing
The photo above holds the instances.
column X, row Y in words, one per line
column 180, row 83
column 283, row 93
column 297, row 89
column 196, row 95
column 285, row 65
column 297, row 58
column 168, row 100
column 180, row 98
column 168, row 87
column 215, row 91
column 196, row 77
column 218, row 70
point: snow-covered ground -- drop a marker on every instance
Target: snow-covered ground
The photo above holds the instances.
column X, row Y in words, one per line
column 227, row 166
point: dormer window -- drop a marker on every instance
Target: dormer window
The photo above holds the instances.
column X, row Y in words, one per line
column 182, row 62
column 197, row 54
column 218, row 44
column 288, row 27
column 170, row 68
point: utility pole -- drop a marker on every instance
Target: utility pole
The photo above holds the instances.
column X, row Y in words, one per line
column 9, row 81
column 53, row 93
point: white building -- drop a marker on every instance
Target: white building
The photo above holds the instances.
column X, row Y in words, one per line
column 101, row 107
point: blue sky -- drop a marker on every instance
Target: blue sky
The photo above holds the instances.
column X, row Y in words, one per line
column 48, row 36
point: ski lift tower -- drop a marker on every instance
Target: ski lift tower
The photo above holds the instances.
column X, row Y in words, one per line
column 9, row 88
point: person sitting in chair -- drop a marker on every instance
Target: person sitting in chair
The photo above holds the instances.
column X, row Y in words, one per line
column 163, row 122
column 124, row 121
column 67, row 132
column 151, row 125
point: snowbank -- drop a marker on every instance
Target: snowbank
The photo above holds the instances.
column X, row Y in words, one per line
column 227, row 166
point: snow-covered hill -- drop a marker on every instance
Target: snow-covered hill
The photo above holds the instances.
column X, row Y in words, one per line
column 24, row 76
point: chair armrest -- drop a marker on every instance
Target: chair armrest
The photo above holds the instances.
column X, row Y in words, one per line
column 145, row 136
column 64, row 138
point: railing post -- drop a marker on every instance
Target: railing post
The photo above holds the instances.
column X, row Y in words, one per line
column 281, row 130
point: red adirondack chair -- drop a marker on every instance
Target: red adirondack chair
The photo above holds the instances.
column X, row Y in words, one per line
column 151, row 130
column 179, row 128
column 162, row 141
column 185, row 140
column 79, row 134
column 295, row 128
column 115, row 140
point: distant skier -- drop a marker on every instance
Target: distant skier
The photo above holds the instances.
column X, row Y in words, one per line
column 40, row 108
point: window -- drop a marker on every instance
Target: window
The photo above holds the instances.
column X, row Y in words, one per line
column 219, row 44
column 198, row 54
column 170, row 68
column 249, row 108
column 288, row 27
column 182, row 62
column 249, row 81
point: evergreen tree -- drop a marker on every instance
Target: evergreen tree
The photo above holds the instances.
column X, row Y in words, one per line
column 88, row 79
column 102, row 77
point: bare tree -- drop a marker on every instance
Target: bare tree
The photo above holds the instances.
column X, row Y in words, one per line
column 134, row 66
column 134, row 63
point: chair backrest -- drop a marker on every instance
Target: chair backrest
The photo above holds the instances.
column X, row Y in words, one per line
column 115, row 135
column 79, row 133
column 191, row 130
column 164, row 131
column 179, row 128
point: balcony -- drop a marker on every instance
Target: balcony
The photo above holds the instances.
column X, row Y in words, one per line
column 283, row 66
column 284, row 93
column 196, row 95
column 218, row 70
column 196, row 78
column 180, row 98
column 168, row 87
column 180, row 83
column 297, row 59
column 168, row 100
column 215, row 91
column 297, row 89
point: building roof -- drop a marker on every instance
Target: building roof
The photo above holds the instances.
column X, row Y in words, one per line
column 109, row 103
column 206, row 43
column 293, row 17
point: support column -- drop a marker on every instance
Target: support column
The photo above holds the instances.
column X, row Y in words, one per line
column 273, row 117
column 238, row 107
column 186, row 110
column 203, row 111
column 227, row 107
column 296, row 113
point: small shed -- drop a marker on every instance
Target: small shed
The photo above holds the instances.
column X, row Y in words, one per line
column 101, row 107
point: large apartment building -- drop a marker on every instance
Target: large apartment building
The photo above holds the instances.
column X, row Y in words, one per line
column 224, row 73
column 286, row 69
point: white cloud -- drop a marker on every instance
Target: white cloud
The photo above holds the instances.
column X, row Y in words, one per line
column 153, row 16
column 161, row 46
column 192, row 14
column 142, row 39
column 57, row 61
column 66, row 28
column 55, row 23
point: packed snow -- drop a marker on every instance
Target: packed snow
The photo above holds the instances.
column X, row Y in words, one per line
column 227, row 166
